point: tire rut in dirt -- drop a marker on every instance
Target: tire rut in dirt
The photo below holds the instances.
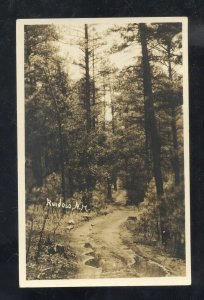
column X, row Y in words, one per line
column 92, row 259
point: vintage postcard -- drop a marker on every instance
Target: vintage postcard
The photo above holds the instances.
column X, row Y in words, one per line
column 103, row 152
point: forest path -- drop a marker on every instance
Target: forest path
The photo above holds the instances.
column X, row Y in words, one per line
column 99, row 248
column 101, row 251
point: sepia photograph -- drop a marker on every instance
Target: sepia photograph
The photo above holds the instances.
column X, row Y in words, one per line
column 103, row 152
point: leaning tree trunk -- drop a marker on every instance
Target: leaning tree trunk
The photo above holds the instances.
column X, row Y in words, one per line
column 152, row 127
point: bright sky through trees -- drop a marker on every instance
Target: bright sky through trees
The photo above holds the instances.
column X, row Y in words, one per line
column 70, row 49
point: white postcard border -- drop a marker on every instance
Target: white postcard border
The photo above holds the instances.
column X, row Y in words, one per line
column 147, row 281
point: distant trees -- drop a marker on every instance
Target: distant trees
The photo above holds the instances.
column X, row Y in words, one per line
column 47, row 104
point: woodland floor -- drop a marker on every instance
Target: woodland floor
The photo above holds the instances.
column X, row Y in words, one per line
column 103, row 246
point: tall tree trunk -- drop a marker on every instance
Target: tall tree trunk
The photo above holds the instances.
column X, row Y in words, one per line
column 152, row 127
column 114, row 180
column 109, row 190
column 104, row 103
column 88, row 177
column 150, row 114
column 39, row 246
column 94, row 91
column 71, row 189
column 87, row 78
column 62, row 160
column 112, row 104
column 175, row 158
column 147, row 138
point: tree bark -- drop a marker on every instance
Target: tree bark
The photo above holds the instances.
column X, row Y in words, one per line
column 104, row 103
column 40, row 239
column 109, row 190
column 94, row 92
column 114, row 181
column 175, row 158
column 62, row 161
column 150, row 114
column 112, row 105
column 150, row 118
column 87, row 78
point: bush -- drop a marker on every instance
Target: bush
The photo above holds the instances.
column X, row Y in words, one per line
column 147, row 224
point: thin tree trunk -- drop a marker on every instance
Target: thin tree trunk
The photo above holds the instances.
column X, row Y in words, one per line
column 104, row 103
column 175, row 158
column 71, row 190
column 88, row 177
column 87, row 78
column 40, row 239
column 112, row 105
column 150, row 114
column 94, row 92
column 109, row 190
column 147, row 138
column 62, row 161
column 114, row 180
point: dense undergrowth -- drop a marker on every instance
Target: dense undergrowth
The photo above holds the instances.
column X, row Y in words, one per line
column 146, row 226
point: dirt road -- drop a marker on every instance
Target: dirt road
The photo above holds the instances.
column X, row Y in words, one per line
column 102, row 253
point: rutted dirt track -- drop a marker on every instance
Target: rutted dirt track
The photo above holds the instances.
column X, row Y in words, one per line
column 98, row 243
column 102, row 253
